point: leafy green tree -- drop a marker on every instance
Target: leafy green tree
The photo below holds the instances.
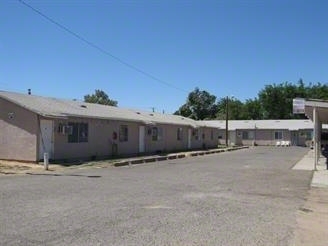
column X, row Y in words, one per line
column 221, row 109
column 200, row 105
column 100, row 97
column 253, row 109
column 317, row 91
column 184, row 110
column 301, row 90
column 276, row 101
column 235, row 109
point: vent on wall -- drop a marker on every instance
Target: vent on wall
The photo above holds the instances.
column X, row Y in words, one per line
column 11, row 115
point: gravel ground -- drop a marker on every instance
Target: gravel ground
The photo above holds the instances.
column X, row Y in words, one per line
column 312, row 220
column 246, row 197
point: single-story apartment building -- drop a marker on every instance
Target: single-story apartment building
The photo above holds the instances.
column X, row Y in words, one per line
column 68, row 129
column 265, row 132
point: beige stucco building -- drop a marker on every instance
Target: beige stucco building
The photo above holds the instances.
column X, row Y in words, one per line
column 32, row 125
column 265, row 132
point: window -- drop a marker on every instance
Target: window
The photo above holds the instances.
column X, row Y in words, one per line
column 247, row 135
column 278, row 135
column 123, row 134
column 157, row 134
column 195, row 133
column 79, row 133
column 308, row 135
column 179, row 134
column 83, row 132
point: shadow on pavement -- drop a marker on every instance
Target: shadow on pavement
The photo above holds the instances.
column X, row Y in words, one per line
column 64, row 175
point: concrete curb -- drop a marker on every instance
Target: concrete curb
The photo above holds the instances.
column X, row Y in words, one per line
column 148, row 159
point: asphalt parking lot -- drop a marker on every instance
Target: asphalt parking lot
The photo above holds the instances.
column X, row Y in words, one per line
column 246, row 197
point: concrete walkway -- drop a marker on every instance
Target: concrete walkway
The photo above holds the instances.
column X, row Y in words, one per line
column 312, row 218
column 320, row 177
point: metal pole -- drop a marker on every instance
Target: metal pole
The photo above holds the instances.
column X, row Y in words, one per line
column 316, row 137
column 45, row 161
column 227, row 116
column 254, row 144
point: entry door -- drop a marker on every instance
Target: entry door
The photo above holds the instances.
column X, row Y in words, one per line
column 46, row 138
column 294, row 138
column 232, row 137
column 189, row 138
column 141, row 139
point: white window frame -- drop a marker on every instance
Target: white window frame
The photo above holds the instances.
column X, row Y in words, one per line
column 124, row 133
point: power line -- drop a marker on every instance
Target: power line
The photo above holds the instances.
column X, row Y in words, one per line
column 95, row 46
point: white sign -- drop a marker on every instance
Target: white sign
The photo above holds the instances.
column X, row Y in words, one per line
column 298, row 106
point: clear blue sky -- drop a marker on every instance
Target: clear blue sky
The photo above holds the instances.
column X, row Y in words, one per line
column 225, row 47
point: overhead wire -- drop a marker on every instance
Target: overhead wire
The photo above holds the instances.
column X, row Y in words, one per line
column 100, row 49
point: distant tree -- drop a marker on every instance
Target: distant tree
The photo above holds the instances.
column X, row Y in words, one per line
column 301, row 90
column 275, row 102
column 100, row 97
column 184, row 110
column 317, row 91
column 235, row 109
column 253, row 109
column 200, row 105
column 221, row 109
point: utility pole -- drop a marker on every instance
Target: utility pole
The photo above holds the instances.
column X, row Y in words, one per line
column 227, row 116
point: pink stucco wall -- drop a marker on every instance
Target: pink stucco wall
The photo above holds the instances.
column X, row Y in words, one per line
column 18, row 132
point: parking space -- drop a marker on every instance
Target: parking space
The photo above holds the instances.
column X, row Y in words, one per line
column 246, row 197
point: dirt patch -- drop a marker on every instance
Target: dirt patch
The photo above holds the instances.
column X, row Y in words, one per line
column 312, row 220
column 14, row 167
